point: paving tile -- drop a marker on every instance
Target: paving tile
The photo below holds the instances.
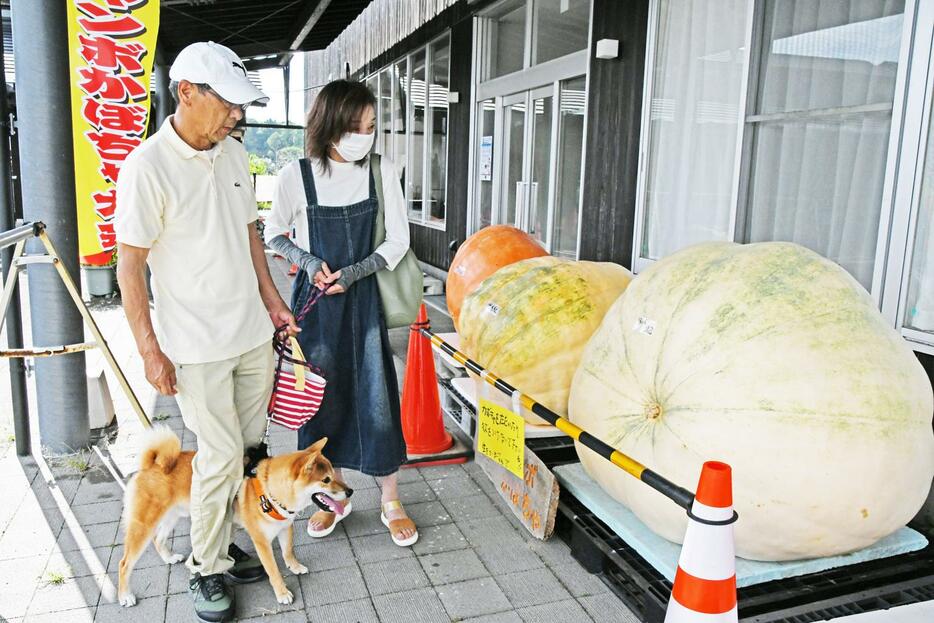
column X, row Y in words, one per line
column 79, row 563
column 436, row 472
column 91, row 493
column 607, row 608
column 149, row 558
column 362, row 500
column 258, row 598
column 360, row 523
column 491, row 531
column 421, row 605
column 378, row 547
column 409, row 475
column 18, row 575
column 450, row 567
column 554, row 552
column 434, row 539
column 356, row 611
column 416, row 492
column 356, row 480
column 102, row 512
column 428, row 514
column 532, row 588
column 325, row 554
column 150, row 610
column 394, row 576
column 178, row 608
column 292, row 616
column 71, row 594
column 473, row 598
column 52, row 494
column 578, row 581
column 559, row 612
column 335, row 586
column 471, row 507
column 95, row 535
column 14, row 603
column 145, row 583
column 455, row 486
column 500, row 617
column 79, row 615
column 178, row 579
column 25, row 541
column 500, row 559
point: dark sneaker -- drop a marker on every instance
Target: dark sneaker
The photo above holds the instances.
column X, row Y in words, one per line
column 213, row 601
column 246, row 569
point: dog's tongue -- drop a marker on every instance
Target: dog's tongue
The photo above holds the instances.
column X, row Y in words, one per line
column 337, row 507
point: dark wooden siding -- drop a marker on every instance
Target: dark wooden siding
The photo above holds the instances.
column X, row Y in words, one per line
column 611, row 156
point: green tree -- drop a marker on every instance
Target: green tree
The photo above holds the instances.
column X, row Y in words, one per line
column 258, row 165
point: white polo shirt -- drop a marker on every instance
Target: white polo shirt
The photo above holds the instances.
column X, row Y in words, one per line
column 191, row 209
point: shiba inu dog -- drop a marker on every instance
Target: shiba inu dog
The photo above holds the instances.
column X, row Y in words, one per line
column 266, row 505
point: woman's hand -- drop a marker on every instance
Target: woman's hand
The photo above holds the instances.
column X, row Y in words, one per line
column 324, row 277
column 335, row 289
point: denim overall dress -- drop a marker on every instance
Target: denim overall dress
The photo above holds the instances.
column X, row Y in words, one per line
column 345, row 336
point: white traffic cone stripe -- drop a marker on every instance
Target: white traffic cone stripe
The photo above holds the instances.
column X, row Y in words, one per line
column 708, row 550
column 677, row 613
column 711, row 513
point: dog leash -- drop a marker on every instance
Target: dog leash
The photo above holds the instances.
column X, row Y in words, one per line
column 257, row 453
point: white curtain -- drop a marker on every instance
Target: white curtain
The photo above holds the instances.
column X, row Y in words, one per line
column 818, row 167
column 920, row 312
column 694, row 120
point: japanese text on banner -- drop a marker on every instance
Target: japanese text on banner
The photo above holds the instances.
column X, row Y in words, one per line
column 501, row 436
column 111, row 46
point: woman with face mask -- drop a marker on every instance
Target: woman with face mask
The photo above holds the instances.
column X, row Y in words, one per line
column 331, row 201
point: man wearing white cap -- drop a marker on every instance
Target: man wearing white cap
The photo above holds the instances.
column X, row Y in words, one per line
column 186, row 207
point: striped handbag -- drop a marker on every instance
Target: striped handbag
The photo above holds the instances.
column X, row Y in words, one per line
column 298, row 386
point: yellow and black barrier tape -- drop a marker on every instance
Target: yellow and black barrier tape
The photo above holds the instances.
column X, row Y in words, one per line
column 679, row 495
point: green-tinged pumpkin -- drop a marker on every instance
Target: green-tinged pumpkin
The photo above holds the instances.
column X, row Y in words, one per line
column 776, row 361
column 529, row 322
column 481, row 255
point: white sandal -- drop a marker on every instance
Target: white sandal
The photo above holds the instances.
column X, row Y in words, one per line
column 396, row 525
column 323, row 532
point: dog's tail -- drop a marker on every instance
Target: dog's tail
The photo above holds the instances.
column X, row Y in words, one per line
column 161, row 448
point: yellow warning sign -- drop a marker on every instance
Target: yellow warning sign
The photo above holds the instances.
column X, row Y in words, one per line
column 501, row 436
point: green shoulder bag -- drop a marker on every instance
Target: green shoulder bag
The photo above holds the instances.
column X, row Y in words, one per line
column 400, row 289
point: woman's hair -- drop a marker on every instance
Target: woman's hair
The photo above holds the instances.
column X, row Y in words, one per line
column 336, row 111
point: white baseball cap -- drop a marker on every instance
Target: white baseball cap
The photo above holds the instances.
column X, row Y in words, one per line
column 220, row 68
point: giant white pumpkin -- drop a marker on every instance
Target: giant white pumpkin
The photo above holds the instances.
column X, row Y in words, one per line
column 776, row 361
column 529, row 321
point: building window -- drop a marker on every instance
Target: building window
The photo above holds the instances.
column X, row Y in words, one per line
column 782, row 120
column 819, row 126
column 524, row 33
column 692, row 124
column 570, row 149
column 412, row 126
column 528, row 125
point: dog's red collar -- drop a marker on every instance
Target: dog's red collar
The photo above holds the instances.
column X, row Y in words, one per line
column 265, row 504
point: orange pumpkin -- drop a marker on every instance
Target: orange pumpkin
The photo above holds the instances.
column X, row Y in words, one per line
column 481, row 255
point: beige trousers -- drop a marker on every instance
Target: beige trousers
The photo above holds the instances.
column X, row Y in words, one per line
column 224, row 404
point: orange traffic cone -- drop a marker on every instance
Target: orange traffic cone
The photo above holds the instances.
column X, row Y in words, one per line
column 705, row 583
column 422, row 424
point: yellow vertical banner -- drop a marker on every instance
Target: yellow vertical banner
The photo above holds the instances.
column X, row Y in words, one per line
column 111, row 45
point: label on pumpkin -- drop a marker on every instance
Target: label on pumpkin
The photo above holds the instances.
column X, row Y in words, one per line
column 644, row 325
column 492, row 309
column 501, row 436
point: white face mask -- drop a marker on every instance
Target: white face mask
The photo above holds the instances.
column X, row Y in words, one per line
column 353, row 147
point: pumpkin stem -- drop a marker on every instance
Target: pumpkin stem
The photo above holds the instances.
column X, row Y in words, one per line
column 653, row 411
